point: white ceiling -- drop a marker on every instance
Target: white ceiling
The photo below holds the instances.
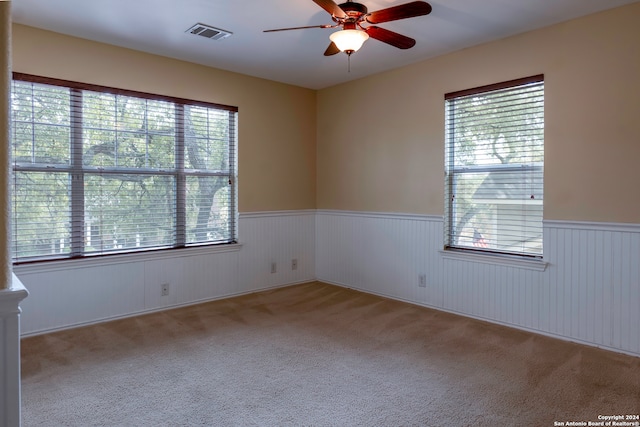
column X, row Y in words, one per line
column 295, row 57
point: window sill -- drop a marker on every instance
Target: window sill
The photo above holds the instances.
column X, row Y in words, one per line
column 501, row 260
column 124, row 258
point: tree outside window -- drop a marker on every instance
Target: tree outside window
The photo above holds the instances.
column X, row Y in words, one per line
column 494, row 168
column 100, row 170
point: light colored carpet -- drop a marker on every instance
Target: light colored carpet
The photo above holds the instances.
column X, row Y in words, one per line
column 317, row 355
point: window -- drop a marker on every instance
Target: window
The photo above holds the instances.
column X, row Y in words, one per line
column 494, row 168
column 100, row 170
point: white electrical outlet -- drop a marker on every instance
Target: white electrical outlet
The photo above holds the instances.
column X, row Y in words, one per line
column 274, row 267
column 164, row 289
column 422, row 280
column 294, row 264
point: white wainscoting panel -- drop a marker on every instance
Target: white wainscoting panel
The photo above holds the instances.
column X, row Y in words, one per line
column 588, row 293
column 72, row 293
column 279, row 237
column 76, row 295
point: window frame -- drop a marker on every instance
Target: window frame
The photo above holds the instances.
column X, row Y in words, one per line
column 78, row 172
column 454, row 172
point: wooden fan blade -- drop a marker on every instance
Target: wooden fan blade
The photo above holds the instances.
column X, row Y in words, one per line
column 403, row 11
column 331, row 50
column 299, row 28
column 390, row 37
column 331, row 7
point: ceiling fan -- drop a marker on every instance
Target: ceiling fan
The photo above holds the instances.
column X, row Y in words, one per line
column 354, row 19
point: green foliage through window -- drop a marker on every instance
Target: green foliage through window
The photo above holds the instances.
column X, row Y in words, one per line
column 100, row 171
column 494, row 168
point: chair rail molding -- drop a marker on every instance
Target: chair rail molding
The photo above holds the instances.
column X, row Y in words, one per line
column 72, row 293
column 586, row 289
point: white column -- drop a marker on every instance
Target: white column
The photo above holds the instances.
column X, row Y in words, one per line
column 10, row 353
column 5, row 150
column 12, row 292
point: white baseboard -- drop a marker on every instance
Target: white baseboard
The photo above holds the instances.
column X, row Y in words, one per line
column 484, row 319
column 155, row 310
column 587, row 293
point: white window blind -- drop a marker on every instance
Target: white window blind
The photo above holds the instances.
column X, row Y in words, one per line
column 494, row 168
column 100, row 170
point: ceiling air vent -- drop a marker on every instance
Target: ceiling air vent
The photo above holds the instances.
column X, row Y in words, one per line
column 209, row 32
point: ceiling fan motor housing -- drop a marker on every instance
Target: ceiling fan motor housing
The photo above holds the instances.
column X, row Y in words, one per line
column 354, row 10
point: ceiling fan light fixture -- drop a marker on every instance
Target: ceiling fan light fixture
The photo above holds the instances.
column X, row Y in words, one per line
column 349, row 40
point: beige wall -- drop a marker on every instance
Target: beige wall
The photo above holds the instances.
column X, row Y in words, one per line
column 277, row 122
column 393, row 158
